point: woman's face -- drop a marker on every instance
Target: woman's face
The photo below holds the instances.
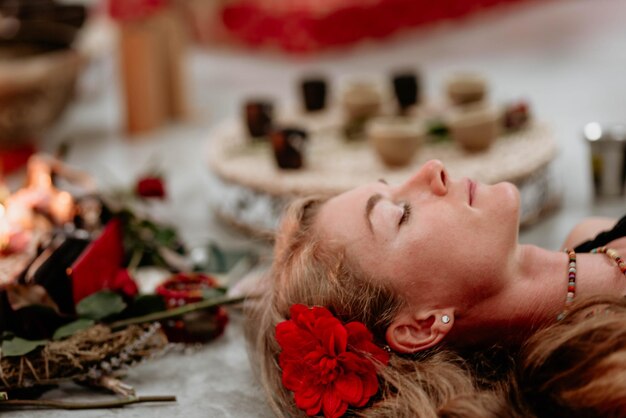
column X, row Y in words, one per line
column 437, row 240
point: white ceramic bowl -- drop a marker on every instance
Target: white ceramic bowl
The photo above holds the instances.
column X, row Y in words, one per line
column 395, row 140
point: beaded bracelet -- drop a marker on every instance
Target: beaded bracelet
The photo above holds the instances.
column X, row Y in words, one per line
column 571, row 283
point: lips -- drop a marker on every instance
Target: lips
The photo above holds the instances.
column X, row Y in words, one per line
column 471, row 188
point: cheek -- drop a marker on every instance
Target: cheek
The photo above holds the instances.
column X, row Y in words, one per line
column 506, row 202
column 454, row 261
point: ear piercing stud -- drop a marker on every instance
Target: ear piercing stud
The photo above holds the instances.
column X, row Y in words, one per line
column 445, row 319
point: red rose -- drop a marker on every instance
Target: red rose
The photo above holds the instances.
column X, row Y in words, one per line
column 124, row 283
column 328, row 365
column 151, row 187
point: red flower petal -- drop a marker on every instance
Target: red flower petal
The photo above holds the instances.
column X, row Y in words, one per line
column 333, row 335
column 370, row 388
column 293, row 376
column 306, row 318
column 350, row 388
column 296, row 310
column 314, row 356
column 293, row 339
column 358, row 332
column 360, row 338
column 310, row 399
column 333, row 405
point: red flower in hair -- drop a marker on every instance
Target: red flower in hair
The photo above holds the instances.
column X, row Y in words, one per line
column 326, row 364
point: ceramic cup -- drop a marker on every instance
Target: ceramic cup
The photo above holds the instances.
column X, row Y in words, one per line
column 395, row 140
column 361, row 100
column 475, row 128
column 466, row 88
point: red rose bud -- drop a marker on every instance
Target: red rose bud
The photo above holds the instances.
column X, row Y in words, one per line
column 151, row 187
column 126, row 10
column 123, row 283
column 516, row 115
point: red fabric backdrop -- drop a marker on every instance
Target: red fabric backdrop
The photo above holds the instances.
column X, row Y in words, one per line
column 312, row 25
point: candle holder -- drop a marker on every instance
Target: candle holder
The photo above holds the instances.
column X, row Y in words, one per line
column 406, row 86
column 288, row 145
column 198, row 326
column 608, row 158
column 258, row 116
column 314, row 93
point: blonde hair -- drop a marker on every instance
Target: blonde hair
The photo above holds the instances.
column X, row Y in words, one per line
column 309, row 271
column 577, row 367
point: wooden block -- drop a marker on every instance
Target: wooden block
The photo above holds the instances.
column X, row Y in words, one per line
column 143, row 76
column 174, row 42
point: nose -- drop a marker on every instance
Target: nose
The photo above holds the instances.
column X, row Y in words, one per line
column 432, row 175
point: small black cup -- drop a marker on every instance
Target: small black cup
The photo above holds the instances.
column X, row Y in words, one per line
column 406, row 86
column 258, row 116
column 288, row 145
column 314, row 92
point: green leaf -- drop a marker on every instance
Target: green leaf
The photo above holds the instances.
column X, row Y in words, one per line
column 165, row 236
column 144, row 305
column 17, row 346
column 72, row 328
column 100, row 305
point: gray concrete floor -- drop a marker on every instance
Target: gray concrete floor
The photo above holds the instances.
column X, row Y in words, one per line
column 566, row 57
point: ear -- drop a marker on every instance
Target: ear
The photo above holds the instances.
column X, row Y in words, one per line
column 411, row 332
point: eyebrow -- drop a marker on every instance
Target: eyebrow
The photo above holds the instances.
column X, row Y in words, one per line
column 369, row 207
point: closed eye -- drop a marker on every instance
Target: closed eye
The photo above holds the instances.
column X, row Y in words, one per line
column 406, row 213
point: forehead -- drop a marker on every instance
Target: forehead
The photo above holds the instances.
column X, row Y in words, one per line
column 342, row 218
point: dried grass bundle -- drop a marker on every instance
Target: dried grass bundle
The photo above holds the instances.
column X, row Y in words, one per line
column 88, row 354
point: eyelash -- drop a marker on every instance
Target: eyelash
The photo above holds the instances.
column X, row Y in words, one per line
column 406, row 213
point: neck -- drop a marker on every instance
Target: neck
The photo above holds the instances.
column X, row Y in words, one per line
column 535, row 294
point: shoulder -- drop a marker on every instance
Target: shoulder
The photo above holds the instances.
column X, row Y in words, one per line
column 588, row 229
